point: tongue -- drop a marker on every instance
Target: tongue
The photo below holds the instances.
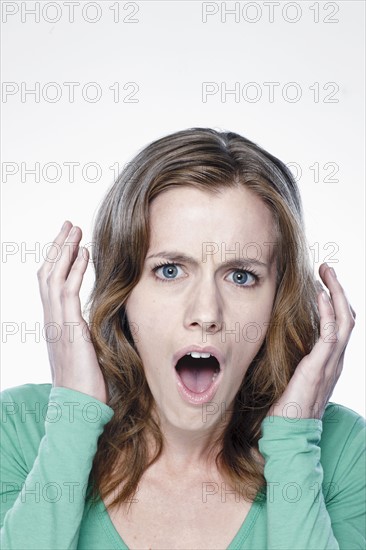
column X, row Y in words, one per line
column 196, row 378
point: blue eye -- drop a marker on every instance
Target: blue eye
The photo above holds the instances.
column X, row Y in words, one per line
column 240, row 277
column 168, row 271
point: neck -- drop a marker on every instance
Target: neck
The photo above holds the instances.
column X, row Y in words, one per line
column 187, row 451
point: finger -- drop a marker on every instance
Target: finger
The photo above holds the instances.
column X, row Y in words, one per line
column 55, row 249
column 328, row 323
column 57, row 276
column 341, row 306
column 334, row 364
column 47, row 266
column 322, row 354
column 52, row 255
column 70, row 299
column 323, row 267
column 69, row 250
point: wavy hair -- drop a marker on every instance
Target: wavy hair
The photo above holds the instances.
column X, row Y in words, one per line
column 208, row 160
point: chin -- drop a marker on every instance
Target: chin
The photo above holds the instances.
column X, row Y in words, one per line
column 193, row 418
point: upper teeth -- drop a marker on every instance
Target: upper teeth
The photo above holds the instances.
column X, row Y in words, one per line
column 197, row 355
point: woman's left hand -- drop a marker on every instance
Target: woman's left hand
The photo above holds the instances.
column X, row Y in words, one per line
column 315, row 377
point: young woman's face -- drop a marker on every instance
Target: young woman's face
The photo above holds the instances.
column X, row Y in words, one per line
column 205, row 299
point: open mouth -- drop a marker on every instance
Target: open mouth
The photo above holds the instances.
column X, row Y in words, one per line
column 197, row 371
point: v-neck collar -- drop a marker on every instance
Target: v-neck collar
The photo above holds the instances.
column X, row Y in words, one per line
column 236, row 543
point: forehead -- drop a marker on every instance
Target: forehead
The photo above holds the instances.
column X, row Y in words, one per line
column 184, row 218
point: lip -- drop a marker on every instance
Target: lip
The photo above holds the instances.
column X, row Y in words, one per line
column 204, row 397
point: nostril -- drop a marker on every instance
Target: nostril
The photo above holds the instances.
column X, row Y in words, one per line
column 211, row 326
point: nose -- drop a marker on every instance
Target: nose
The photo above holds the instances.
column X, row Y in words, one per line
column 204, row 308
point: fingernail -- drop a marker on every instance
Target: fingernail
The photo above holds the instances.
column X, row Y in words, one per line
column 333, row 273
column 325, row 296
column 63, row 226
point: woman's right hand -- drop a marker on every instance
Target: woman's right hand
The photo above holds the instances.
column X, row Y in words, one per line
column 71, row 353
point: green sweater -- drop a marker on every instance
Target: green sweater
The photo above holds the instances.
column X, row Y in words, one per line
column 315, row 472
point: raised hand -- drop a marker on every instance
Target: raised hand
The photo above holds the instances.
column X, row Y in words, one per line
column 315, row 377
column 71, row 353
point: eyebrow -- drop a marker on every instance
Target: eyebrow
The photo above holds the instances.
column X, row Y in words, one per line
column 176, row 257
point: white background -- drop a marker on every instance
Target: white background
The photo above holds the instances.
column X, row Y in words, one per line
column 169, row 50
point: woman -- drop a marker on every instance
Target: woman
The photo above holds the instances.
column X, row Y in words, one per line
column 195, row 414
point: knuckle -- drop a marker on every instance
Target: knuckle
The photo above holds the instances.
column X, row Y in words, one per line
column 50, row 278
column 41, row 274
column 348, row 322
column 351, row 323
column 67, row 292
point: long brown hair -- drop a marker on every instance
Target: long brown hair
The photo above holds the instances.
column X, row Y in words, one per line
column 208, row 160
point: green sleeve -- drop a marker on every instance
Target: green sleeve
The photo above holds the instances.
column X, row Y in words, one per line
column 47, row 449
column 304, row 511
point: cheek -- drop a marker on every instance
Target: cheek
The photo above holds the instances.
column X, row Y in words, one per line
column 147, row 320
column 251, row 322
column 254, row 311
column 137, row 304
